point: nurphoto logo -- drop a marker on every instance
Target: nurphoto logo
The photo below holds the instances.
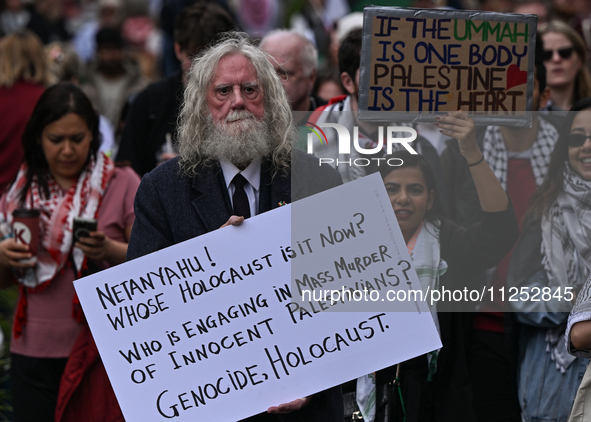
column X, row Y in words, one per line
column 344, row 144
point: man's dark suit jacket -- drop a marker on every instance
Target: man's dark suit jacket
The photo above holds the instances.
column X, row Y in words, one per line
column 171, row 207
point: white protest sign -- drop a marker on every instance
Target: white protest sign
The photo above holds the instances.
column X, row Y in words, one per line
column 352, row 257
column 206, row 329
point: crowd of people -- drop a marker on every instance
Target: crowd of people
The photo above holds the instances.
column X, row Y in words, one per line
column 163, row 121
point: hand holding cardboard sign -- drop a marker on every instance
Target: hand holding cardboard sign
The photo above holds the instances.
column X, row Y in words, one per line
column 491, row 194
column 460, row 126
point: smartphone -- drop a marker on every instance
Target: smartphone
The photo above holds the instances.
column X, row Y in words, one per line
column 83, row 227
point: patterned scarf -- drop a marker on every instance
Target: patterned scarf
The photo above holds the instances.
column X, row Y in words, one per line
column 57, row 214
column 425, row 251
column 495, row 151
column 566, row 251
column 583, row 302
column 580, row 312
column 566, row 233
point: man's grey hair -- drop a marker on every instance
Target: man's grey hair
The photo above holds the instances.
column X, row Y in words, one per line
column 194, row 116
column 308, row 56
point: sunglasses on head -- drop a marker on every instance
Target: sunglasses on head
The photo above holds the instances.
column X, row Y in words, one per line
column 564, row 53
column 576, row 140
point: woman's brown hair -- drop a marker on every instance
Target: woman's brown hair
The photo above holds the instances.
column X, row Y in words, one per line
column 22, row 58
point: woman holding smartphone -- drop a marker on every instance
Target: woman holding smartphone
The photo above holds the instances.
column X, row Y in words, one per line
column 64, row 176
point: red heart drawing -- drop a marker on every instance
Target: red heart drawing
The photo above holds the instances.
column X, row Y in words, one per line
column 515, row 76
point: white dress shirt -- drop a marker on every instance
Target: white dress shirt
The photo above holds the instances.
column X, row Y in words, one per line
column 252, row 174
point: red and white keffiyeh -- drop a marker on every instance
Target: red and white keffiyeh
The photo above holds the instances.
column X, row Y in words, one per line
column 58, row 212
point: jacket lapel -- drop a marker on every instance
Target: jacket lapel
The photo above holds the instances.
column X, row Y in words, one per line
column 273, row 191
column 212, row 202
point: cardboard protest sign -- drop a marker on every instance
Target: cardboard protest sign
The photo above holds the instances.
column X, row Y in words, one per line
column 418, row 63
column 206, row 329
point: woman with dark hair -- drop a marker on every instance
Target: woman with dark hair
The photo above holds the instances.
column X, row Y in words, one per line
column 63, row 176
column 65, row 65
column 550, row 263
column 436, row 387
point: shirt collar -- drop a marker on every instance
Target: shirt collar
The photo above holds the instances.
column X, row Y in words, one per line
column 252, row 173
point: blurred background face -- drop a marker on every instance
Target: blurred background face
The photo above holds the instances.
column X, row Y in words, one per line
column 109, row 16
column 110, row 58
column 330, row 89
column 560, row 71
column 564, row 9
column 13, row 5
column 580, row 157
column 534, row 9
column 296, row 80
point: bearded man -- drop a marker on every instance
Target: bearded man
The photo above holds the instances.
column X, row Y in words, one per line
column 235, row 124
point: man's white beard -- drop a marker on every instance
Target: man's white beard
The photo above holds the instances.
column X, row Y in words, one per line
column 239, row 139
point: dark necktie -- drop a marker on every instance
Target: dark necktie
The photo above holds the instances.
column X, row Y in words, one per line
column 240, row 200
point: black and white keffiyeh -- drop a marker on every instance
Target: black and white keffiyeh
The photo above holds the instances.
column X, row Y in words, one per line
column 425, row 253
column 580, row 312
column 495, row 151
column 566, row 233
column 566, row 251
